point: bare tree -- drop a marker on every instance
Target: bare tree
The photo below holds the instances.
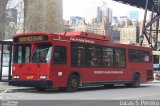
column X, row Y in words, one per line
column 14, row 24
column 3, row 4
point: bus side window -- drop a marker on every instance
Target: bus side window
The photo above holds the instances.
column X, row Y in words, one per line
column 59, row 56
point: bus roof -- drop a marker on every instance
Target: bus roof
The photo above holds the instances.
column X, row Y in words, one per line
column 86, row 35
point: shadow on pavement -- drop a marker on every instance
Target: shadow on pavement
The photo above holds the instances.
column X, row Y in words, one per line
column 84, row 89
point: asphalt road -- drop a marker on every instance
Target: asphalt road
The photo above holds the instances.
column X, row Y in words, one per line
column 91, row 96
column 146, row 92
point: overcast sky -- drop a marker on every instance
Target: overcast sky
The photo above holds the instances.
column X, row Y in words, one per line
column 87, row 8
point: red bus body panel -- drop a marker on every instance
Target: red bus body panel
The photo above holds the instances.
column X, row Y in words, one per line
column 59, row 73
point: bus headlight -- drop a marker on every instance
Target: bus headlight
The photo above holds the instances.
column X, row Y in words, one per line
column 43, row 76
column 16, row 76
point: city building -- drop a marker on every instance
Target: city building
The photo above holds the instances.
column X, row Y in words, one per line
column 104, row 11
column 129, row 35
column 75, row 20
column 125, row 21
column 114, row 20
column 115, row 36
column 43, row 15
column 94, row 27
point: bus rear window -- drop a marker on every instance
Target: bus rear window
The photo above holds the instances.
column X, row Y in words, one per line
column 138, row 56
column 22, row 53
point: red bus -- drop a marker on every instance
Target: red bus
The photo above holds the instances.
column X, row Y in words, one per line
column 75, row 59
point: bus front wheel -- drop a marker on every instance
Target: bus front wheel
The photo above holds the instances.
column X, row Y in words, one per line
column 73, row 83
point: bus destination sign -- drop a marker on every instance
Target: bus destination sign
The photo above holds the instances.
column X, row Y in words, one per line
column 33, row 38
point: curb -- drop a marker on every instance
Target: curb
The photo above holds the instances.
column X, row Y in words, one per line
column 2, row 90
column 156, row 82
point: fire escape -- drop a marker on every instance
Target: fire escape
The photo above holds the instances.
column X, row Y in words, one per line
column 150, row 29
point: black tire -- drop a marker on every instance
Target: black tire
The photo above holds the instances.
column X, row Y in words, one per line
column 136, row 81
column 73, row 83
column 109, row 85
column 129, row 85
column 40, row 88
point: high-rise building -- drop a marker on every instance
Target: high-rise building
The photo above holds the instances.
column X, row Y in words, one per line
column 114, row 20
column 43, row 15
column 129, row 35
column 75, row 20
column 102, row 11
column 124, row 21
column 134, row 15
column 99, row 14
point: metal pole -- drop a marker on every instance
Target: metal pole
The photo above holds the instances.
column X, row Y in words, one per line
column 1, row 62
column 10, row 61
column 150, row 37
column 144, row 21
column 157, row 27
column 155, row 7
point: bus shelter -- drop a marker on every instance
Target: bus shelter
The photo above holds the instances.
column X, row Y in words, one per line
column 5, row 60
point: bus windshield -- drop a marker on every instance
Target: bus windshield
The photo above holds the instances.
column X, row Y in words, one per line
column 42, row 54
column 22, row 53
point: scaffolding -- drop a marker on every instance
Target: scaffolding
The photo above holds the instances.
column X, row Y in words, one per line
column 151, row 29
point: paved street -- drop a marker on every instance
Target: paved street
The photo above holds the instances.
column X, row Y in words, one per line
column 146, row 91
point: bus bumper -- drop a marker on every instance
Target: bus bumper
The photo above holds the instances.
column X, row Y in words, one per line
column 33, row 83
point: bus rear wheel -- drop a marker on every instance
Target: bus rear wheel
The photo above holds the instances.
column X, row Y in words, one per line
column 40, row 88
column 109, row 85
column 73, row 83
column 135, row 82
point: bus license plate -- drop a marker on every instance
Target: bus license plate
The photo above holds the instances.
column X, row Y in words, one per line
column 30, row 77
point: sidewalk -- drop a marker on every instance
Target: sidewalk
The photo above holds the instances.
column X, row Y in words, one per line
column 5, row 87
column 156, row 81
